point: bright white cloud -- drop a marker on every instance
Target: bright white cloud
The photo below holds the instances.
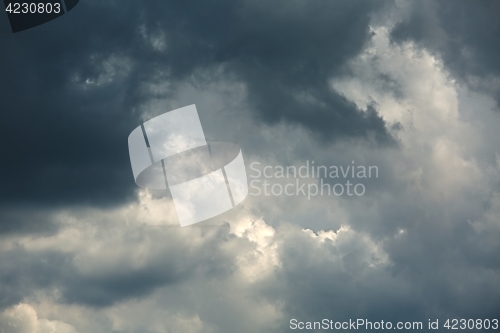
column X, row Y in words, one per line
column 23, row 318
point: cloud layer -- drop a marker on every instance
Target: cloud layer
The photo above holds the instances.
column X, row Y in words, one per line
column 83, row 250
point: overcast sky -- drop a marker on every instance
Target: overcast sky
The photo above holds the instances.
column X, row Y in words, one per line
column 410, row 87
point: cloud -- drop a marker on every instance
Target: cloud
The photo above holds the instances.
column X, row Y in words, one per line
column 123, row 262
column 444, row 171
column 422, row 243
column 87, row 79
column 465, row 34
column 23, row 318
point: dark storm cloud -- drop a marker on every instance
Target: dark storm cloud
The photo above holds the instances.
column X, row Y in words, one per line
column 104, row 278
column 284, row 51
column 465, row 34
column 60, row 143
column 64, row 139
column 342, row 281
column 28, row 220
column 324, row 280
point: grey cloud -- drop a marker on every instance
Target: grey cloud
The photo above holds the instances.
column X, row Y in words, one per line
column 72, row 87
column 465, row 34
column 110, row 276
column 405, row 253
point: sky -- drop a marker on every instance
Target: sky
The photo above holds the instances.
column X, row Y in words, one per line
column 412, row 88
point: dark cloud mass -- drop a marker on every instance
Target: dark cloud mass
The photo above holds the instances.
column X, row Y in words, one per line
column 465, row 34
column 284, row 52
